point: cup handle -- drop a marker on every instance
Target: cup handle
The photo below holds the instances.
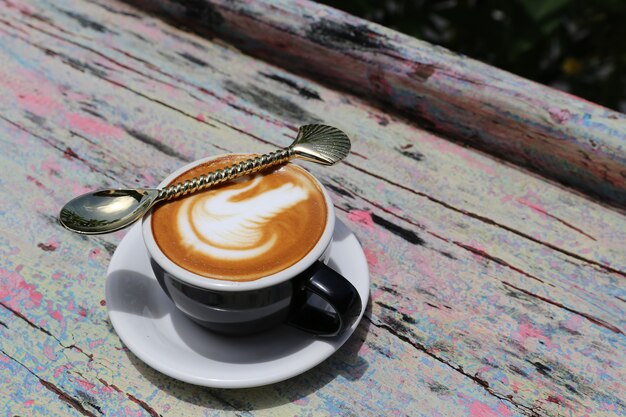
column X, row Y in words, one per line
column 341, row 305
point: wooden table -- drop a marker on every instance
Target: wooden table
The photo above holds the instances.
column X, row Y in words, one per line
column 496, row 289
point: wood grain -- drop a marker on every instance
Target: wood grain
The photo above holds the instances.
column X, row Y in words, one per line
column 494, row 291
column 563, row 137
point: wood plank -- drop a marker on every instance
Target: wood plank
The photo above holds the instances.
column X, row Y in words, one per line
column 570, row 140
column 493, row 290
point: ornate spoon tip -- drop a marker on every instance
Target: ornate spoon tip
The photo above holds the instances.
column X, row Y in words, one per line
column 323, row 144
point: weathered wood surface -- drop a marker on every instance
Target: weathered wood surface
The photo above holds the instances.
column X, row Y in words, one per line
column 564, row 137
column 494, row 292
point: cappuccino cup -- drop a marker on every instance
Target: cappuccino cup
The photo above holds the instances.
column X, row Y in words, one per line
column 251, row 254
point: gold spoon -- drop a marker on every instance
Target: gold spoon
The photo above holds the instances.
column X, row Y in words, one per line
column 105, row 211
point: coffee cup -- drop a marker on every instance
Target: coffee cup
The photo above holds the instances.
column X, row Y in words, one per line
column 251, row 254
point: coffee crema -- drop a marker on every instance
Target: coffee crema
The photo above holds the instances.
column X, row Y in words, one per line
column 245, row 229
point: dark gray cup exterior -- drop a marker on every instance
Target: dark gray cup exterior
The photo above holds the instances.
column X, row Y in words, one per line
column 228, row 312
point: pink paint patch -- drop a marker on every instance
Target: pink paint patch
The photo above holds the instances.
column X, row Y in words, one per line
column 38, row 104
column 362, row 217
column 50, row 166
column 93, row 126
column 609, row 407
column 409, row 313
column 55, row 314
column 93, row 254
column 506, row 198
column 49, row 353
column 96, row 343
column 533, row 206
column 29, row 403
column 503, row 410
column 107, row 390
column 15, row 292
column 478, row 409
column 372, row 259
column 128, row 412
column 573, row 323
column 149, row 178
column 484, row 369
column 153, row 32
column 78, row 189
column 200, row 117
column 59, row 370
column 24, row 9
column 515, row 387
column 527, row 331
column 559, row 115
column 85, row 384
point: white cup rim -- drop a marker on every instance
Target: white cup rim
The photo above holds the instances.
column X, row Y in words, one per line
column 224, row 285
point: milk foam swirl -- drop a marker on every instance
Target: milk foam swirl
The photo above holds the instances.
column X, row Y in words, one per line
column 232, row 224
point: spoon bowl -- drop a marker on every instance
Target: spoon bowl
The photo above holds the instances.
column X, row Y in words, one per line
column 106, row 211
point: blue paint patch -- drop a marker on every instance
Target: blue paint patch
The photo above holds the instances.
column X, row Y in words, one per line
column 427, row 362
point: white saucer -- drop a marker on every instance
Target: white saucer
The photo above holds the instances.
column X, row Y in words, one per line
column 160, row 335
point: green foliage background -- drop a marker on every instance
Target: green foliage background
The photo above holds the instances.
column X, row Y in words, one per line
column 575, row 45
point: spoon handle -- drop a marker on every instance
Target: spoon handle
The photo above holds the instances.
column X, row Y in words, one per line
column 317, row 143
column 221, row 175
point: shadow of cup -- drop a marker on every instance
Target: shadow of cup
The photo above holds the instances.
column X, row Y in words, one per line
column 346, row 362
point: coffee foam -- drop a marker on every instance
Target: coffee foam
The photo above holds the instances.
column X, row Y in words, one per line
column 245, row 229
column 225, row 225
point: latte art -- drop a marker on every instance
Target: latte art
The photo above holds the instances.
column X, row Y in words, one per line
column 244, row 229
column 225, row 225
